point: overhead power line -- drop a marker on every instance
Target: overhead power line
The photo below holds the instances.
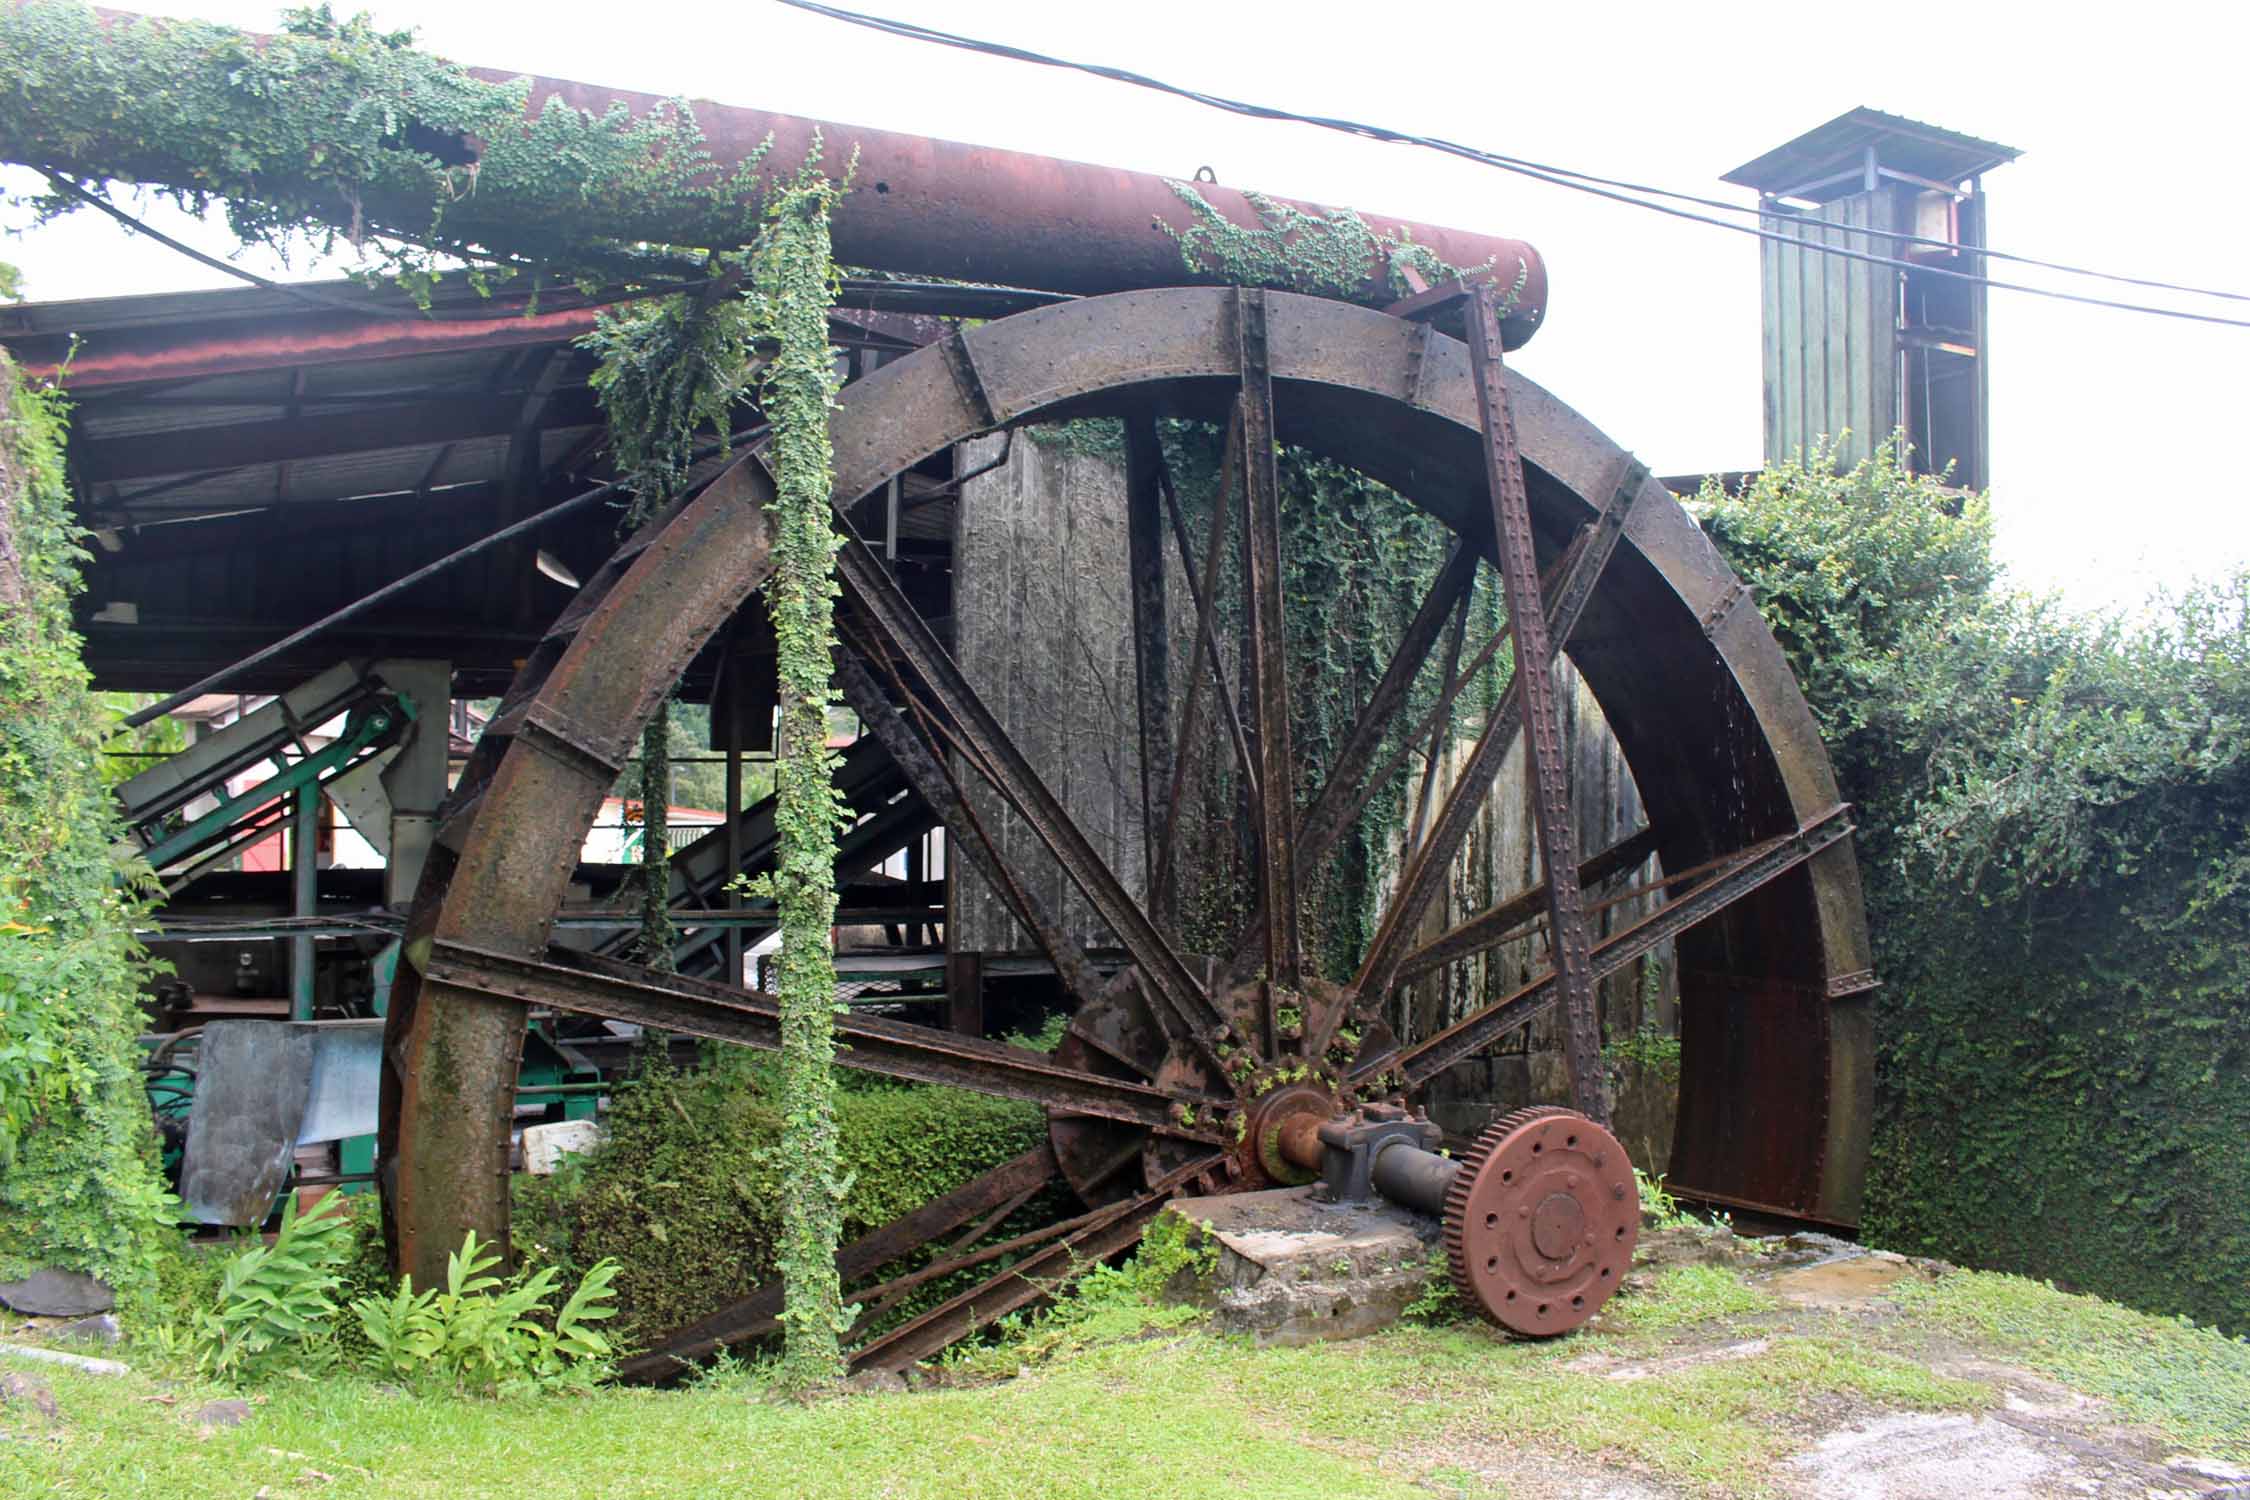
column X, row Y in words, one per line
column 1613, row 189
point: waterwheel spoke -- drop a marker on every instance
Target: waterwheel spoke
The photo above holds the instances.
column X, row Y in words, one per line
column 966, row 836
column 902, row 636
column 1490, row 928
column 757, row 1315
column 1204, row 651
column 1152, row 637
column 1276, row 799
column 1541, row 715
column 1426, row 872
column 1349, row 787
column 1101, row 1234
column 1724, row 882
column 565, row 979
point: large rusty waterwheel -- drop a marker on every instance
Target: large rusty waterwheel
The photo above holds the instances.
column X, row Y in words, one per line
column 1181, row 1071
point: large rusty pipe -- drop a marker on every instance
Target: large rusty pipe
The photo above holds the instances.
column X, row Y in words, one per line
column 920, row 206
column 943, row 208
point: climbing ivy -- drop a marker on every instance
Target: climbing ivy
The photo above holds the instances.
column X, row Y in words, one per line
column 794, row 280
column 671, row 371
column 78, row 1182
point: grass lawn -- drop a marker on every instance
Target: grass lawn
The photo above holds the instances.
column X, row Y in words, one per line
column 1700, row 1382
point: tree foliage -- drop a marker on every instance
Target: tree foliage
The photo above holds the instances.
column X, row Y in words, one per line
column 2053, row 813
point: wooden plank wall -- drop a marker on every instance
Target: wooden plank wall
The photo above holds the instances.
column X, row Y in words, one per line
column 1830, row 328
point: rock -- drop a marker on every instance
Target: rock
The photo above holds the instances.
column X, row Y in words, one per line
column 876, row 1383
column 22, row 1391
column 215, row 1414
column 58, row 1294
column 2207, row 1468
column 101, row 1329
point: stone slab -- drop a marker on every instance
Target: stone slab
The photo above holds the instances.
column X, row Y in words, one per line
column 1292, row 1269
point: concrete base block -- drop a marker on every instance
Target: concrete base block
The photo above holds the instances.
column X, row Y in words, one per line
column 1292, row 1269
column 544, row 1146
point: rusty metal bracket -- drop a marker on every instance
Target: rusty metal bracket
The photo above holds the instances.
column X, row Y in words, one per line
column 1722, row 609
column 554, row 735
column 969, row 381
column 566, row 979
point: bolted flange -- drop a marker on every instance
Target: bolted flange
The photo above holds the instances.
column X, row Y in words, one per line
column 1541, row 1221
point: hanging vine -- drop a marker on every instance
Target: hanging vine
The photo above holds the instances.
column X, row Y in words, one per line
column 671, row 372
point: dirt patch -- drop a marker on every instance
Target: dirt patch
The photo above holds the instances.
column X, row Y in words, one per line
column 1845, row 1282
column 1472, row 1469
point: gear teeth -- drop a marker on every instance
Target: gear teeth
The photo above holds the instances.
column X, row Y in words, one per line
column 1457, row 1192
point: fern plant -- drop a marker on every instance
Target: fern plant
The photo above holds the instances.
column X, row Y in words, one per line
column 272, row 1307
column 488, row 1335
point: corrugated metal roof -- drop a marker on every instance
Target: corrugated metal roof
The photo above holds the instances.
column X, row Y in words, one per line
column 1901, row 144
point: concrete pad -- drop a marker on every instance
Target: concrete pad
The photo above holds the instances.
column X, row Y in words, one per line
column 1292, row 1269
column 1918, row 1456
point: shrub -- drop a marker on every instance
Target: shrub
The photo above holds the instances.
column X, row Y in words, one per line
column 488, row 1336
column 684, row 1193
column 271, row 1307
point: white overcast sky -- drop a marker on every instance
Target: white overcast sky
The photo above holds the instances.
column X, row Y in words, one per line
column 2113, row 433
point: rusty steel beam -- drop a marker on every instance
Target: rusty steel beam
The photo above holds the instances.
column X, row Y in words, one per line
column 1496, row 924
column 1749, row 871
column 587, row 985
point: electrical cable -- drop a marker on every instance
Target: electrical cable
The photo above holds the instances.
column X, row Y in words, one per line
column 1557, row 177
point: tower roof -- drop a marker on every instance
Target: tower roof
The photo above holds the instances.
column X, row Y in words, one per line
column 1827, row 152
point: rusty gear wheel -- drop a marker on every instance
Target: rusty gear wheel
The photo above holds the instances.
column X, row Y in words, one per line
column 1541, row 1221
